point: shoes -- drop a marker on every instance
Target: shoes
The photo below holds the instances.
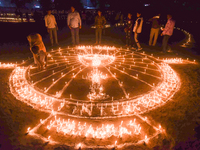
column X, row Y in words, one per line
column 133, row 48
column 139, row 49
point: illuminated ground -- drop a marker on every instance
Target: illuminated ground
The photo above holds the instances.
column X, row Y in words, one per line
column 171, row 116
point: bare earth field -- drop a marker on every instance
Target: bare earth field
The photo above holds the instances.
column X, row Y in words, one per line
column 180, row 117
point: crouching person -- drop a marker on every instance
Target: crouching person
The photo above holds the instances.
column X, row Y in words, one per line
column 35, row 40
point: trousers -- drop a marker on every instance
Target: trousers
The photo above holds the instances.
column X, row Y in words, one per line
column 75, row 36
column 128, row 38
column 98, row 35
column 165, row 42
column 153, row 34
column 53, row 32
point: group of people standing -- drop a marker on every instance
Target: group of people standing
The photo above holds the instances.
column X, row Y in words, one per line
column 74, row 23
column 137, row 29
column 167, row 31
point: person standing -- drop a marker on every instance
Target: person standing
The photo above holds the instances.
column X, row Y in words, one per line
column 137, row 29
column 128, row 29
column 52, row 27
column 155, row 28
column 74, row 24
column 167, row 32
column 100, row 21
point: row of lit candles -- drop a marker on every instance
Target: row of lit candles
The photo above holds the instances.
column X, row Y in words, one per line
column 149, row 100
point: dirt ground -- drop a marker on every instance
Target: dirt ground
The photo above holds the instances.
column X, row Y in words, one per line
column 180, row 117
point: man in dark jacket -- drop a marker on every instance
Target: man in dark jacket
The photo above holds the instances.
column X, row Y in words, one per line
column 155, row 28
column 100, row 21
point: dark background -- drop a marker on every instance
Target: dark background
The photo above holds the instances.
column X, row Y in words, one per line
column 185, row 12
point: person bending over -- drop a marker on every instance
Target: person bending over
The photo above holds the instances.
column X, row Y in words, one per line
column 35, row 39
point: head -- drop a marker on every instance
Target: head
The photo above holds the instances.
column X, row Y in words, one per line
column 72, row 9
column 34, row 38
column 129, row 15
column 157, row 16
column 48, row 12
column 169, row 16
column 138, row 14
column 35, row 49
column 99, row 13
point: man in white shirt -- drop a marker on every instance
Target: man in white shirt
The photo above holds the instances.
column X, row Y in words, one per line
column 74, row 23
column 50, row 23
column 137, row 29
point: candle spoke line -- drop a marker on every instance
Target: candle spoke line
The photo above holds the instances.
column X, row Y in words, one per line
column 120, row 84
column 55, row 74
column 132, row 76
column 65, row 64
column 54, row 82
column 136, row 66
column 145, row 73
column 66, row 85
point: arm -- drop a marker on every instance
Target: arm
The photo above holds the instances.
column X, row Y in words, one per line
column 55, row 22
column 126, row 27
column 131, row 25
column 45, row 20
column 95, row 22
column 46, row 58
column 151, row 19
column 104, row 21
column 139, row 21
column 68, row 20
column 79, row 18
